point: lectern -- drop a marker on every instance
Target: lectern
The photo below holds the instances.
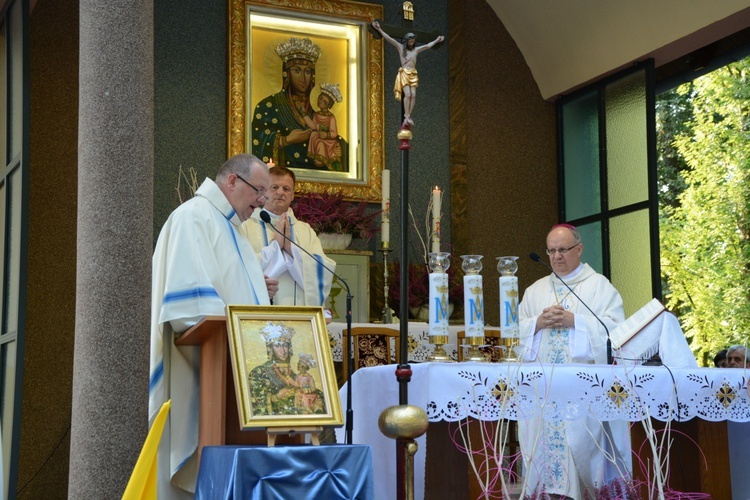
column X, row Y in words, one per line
column 218, row 416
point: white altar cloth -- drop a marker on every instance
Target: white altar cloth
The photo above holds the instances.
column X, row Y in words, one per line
column 489, row 391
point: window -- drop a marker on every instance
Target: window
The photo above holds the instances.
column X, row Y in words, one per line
column 14, row 144
column 607, row 179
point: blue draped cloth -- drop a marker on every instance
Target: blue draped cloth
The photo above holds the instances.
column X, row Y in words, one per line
column 259, row 472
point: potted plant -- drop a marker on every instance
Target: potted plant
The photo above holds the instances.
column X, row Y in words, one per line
column 329, row 214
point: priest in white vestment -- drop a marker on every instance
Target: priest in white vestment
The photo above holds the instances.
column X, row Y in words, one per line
column 566, row 458
column 303, row 280
column 201, row 263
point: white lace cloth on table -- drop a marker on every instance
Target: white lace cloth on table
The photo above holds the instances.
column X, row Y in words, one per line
column 485, row 391
column 453, row 391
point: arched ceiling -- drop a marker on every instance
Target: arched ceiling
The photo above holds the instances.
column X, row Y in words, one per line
column 568, row 43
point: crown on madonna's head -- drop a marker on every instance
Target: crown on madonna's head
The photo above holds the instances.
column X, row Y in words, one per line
column 332, row 91
column 298, row 49
column 274, row 332
column 307, row 359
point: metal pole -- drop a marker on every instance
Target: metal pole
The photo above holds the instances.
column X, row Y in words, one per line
column 403, row 372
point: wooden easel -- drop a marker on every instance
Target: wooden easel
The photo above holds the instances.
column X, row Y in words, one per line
column 294, row 431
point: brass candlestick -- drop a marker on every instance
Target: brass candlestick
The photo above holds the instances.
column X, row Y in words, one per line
column 474, row 354
column 510, row 355
column 438, row 352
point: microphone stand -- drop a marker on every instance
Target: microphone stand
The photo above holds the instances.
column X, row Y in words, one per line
column 535, row 257
column 350, row 367
column 265, row 217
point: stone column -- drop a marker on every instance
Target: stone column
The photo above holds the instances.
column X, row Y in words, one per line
column 115, row 243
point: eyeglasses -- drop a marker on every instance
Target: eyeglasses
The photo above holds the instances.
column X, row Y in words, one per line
column 561, row 251
column 261, row 192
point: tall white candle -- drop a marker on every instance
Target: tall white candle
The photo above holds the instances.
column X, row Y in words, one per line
column 473, row 305
column 436, row 219
column 509, row 307
column 385, row 206
column 439, row 304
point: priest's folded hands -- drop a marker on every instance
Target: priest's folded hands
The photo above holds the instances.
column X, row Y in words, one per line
column 555, row 317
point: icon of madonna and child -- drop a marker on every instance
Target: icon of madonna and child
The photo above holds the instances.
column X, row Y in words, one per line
column 287, row 128
column 275, row 388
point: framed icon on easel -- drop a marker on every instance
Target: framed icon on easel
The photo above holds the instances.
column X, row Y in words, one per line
column 283, row 368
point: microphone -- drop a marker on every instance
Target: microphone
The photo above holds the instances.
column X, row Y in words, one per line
column 266, row 217
column 535, row 257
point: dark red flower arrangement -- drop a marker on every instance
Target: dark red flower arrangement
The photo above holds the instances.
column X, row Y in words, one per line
column 331, row 213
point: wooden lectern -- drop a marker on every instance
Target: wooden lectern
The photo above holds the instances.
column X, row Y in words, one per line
column 219, row 421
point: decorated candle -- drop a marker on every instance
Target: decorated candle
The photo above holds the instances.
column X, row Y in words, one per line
column 439, row 309
column 507, row 266
column 473, row 296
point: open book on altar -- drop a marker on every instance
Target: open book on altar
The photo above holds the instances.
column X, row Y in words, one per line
column 649, row 331
column 635, row 324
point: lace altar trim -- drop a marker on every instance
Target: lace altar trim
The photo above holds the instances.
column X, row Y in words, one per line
column 493, row 391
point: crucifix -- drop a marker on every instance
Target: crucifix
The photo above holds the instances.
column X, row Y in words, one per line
column 404, row 422
column 406, row 80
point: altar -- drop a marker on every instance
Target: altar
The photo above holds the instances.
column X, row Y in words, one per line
column 495, row 391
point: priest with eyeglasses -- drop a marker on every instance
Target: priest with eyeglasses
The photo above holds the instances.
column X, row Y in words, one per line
column 565, row 459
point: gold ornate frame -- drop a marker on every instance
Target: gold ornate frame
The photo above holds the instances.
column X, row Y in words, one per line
column 319, row 20
column 247, row 345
